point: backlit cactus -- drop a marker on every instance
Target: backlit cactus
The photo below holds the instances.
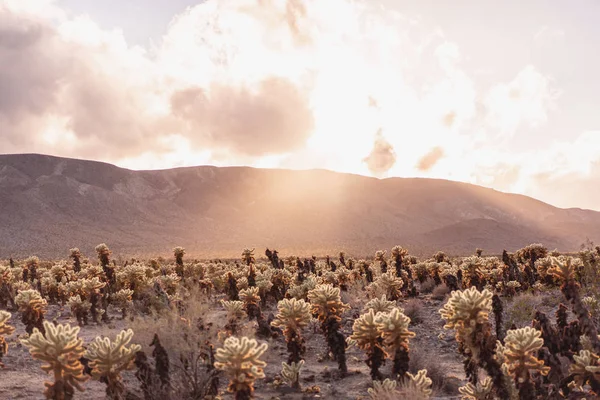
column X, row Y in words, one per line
column 5, row 330
column 379, row 304
column 32, row 307
column 417, row 387
column 388, row 284
column 384, row 390
column 520, row 355
column 366, row 334
column 585, row 371
column 60, row 349
column 466, row 308
column 328, row 306
column 109, row 358
column 393, row 328
column 80, row 309
column 251, row 299
column 290, row 373
column 480, row 391
column 240, row 359
column 293, row 316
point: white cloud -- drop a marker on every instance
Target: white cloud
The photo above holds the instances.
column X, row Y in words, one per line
column 296, row 83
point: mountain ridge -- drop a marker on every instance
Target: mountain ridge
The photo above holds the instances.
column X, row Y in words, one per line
column 49, row 204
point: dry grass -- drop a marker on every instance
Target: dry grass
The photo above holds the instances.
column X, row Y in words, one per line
column 428, row 286
column 521, row 310
column 422, row 359
column 186, row 336
column 440, row 292
column 413, row 309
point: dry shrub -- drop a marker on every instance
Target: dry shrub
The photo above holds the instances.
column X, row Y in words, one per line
column 413, row 309
column 423, row 359
column 440, row 292
column 428, row 286
column 521, row 310
column 187, row 336
column 551, row 298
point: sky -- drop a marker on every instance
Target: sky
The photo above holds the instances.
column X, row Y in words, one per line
column 499, row 94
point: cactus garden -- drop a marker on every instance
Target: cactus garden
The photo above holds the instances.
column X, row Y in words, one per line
column 520, row 325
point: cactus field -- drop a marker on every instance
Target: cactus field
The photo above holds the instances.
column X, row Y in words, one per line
column 520, row 325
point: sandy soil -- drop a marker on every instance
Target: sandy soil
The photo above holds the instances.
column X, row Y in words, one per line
column 23, row 379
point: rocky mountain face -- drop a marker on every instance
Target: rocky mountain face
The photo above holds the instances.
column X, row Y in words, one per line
column 50, row 204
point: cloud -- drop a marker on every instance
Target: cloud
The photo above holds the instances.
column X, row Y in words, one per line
column 430, row 159
column 525, row 101
column 274, row 117
column 279, row 83
column 382, row 157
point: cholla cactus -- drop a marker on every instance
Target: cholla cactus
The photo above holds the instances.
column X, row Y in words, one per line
column 385, row 390
column 60, row 349
column 293, row 315
column 327, row 304
column 467, row 312
column 104, row 257
column 380, row 304
column 380, row 257
column 32, row 307
column 5, row 330
column 368, row 338
column 585, row 371
column 251, row 299
column 300, row 291
column 481, row 391
column 389, row 284
column 511, row 287
column 179, row 253
column 91, row 289
column 565, row 269
column 6, row 279
column 393, row 328
column 290, row 373
column 109, row 358
column 417, row 387
column 134, row 277
column 123, row 300
column 76, row 256
column 466, row 308
column 235, row 312
column 30, row 269
column 520, row 350
column 240, row 360
column 248, row 256
column 80, row 309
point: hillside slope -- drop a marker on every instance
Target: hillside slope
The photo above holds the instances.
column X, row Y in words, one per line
column 50, row 204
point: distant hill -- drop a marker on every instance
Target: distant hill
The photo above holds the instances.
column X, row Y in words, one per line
column 50, row 204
